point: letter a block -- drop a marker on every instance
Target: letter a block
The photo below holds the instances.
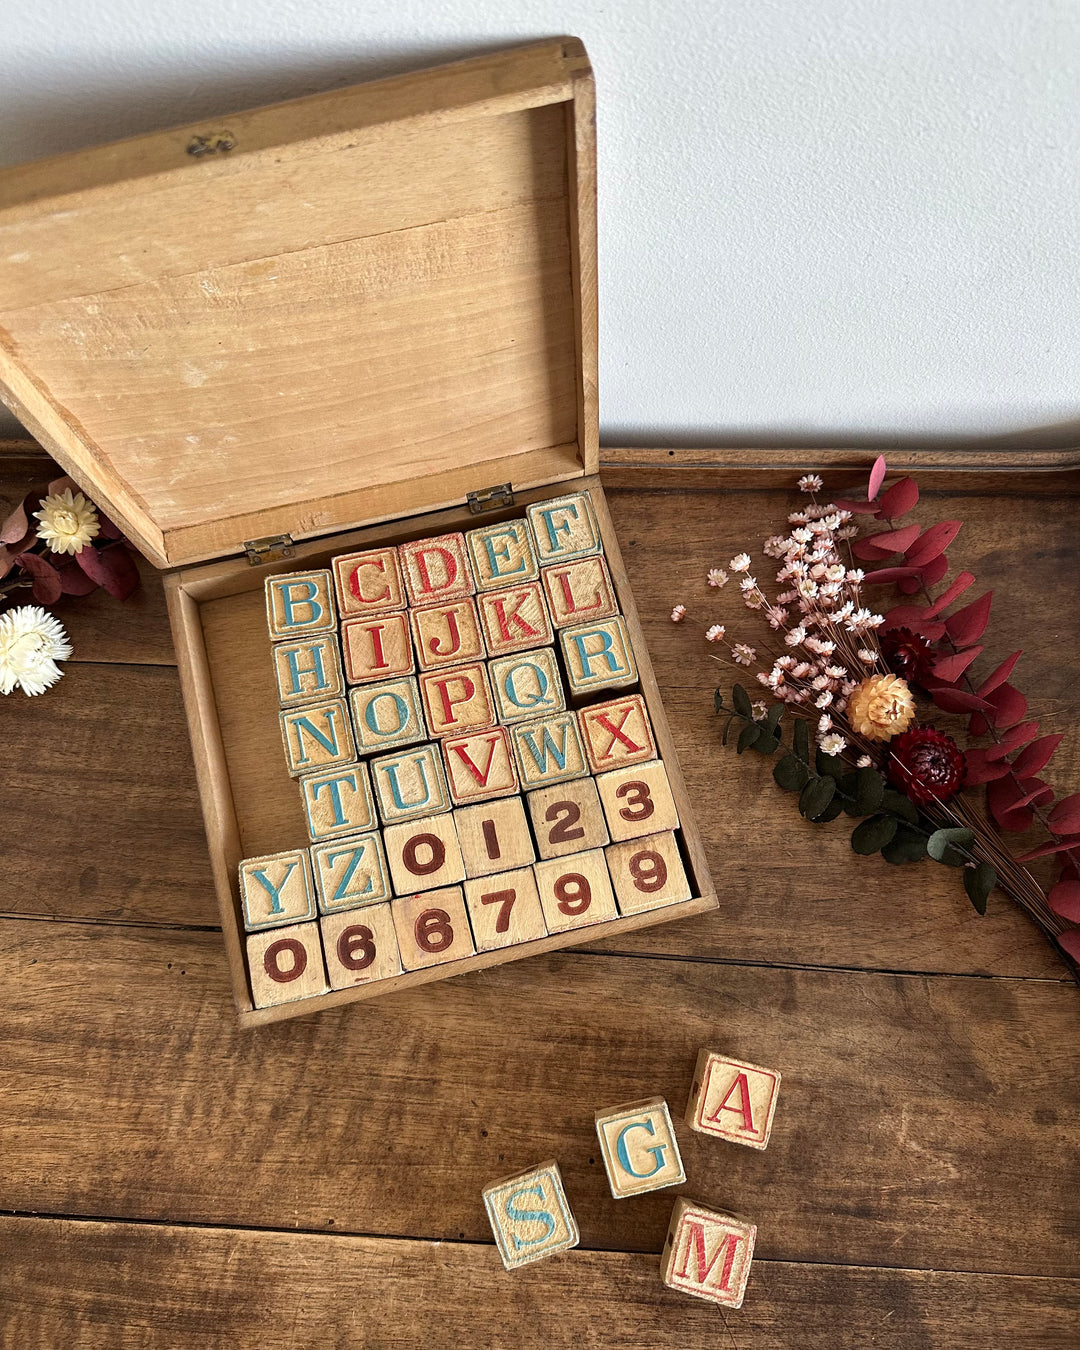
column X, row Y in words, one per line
column 376, row 648
column 502, row 554
column 299, row 605
column 308, row 671
column 338, row 802
column 617, row 733
column 732, row 1100
column 360, row 947
column 480, row 766
column 286, row 965
column 369, row 582
column 598, row 656
column 564, row 528
column 317, row 736
column 276, row 889
column 579, row 591
column 639, row 1148
column 436, row 569
column 514, row 619
column 530, row 1216
column 707, row 1254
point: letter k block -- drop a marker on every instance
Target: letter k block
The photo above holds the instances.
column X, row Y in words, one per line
column 530, row 1216
column 732, row 1100
column 638, row 1145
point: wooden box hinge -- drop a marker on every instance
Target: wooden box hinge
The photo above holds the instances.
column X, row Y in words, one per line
column 270, row 549
column 491, row 499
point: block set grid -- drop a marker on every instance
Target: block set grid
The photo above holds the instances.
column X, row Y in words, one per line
column 476, row 765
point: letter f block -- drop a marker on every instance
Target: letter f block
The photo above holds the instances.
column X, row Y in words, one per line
column 638, row 1145
column 530, row 1216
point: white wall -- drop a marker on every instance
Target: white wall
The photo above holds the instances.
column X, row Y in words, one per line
column 819, row 218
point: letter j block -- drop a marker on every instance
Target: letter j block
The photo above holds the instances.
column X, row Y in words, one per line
column 707, row 1255
column 300, row 604
column 732, row 1100
column 638, row 1145
column 530, row 1216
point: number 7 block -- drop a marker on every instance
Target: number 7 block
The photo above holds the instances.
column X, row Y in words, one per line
column 505, row 909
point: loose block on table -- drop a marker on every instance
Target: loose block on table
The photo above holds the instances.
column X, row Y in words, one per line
column 617, row 733
column 360, row 946
column 410, row 783
column 368, row 582
column 457, row 700
column 300, row 604
column 432, row 928
column 480, row 765
column 639, row 1148
column 527, row 685
column 707, row 1254
column 575, row 891
column 501, row 554
column 564, row 527
column 548, row 750
column 285, row 965
column 350, row 873
column 376, row 647
column 504, row 909
column 317, row 736
column 647, row 873
column 447, row 634
column 530, row 1216
column 514, row 619
column 732, row 1100
column 277, row 888
column 598, row 656
column 387, row 715
column 436, row 569
column 567, row 818
column 579, row 591
column 637, row 800
column 494, row 837
column 308, row 670
column 423, row 854
column 338, row 801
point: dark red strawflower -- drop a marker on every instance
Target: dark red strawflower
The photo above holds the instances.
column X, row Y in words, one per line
column 926, row 765
column 907, row 654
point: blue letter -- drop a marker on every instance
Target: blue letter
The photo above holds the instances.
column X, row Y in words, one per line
column 495, row 554
column 555, row 530
column 391, row 771
column 402, row 714
column 335, row 794
column 624, row 1157
column 530, row 1216
column 528, row 700
column 342, row 892
column 316, row 668
column 274, row 892
column 329, row 742
column 540, row 753
column 585, row 659
column 290, row 604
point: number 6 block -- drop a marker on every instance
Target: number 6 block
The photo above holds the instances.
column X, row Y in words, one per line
column 360, row 947
column 575, row 891
column 432, row 928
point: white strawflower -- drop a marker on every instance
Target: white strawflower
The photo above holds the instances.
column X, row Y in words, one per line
column 715, row 633
column 760, row 710
column 740, row 562
column 833, row 743
column 678, row 614
column 863, row 762
column 743, row 654
column 824, row 724
column 717, row 577
column 31, row 643
column 68, row 523
column 811, row 482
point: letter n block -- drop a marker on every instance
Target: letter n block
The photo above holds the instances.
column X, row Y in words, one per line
column 299, row 605
column 638, row 1145
column 732, row 1100
column 505, row 909
column 502, row 554
column 480, row 766
column 617, row 733
column 368, row 582
column 360, row 947
column 514, row 619
column 549, row 750
column 579, row 592
column 376, row 647
column 457, row 701
column 276, row 889
column 707, row 1254
column 436, row 569
column 530, row 1216
column 286, row 965
column 308, row 671
column 564, row 527
column 317, row 736
column 598, row 656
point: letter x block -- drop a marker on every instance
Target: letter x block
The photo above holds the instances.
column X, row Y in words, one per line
column 707, row 1254
column 514, row 619
column 732, row 1100
column 286, row 965
column 480, row 766
column 617, row 733
column 300, row 605
column 638, row 1145
column 530, row 1216
column 276, row 889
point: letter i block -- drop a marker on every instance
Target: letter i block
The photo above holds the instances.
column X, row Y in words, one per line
column 350, row 873
column 639, row 1148
column 317, row 736
column 579, row 591
column 276, row 889
column 732, row 1100
column 617, row 733
column 436, row 569
column 286, row 965
column 432, row 928
column 637, row 801
column 707, row 1254
column 360, row 947
column 514, row 619
column 387, row 716
column 505, row 909
column 480, row 766
column 300, row 605
column 423, row 855
column 647, row 873
column 567, row 818
column 549, row 750
column 494, row 837
column 376, row 648
column 337, row 802
column 501, row 554
column 527, row 686
column 457, row 701
column 368, row 582
column 447, row 634
column 308, row 670
column 564, row 527
column 410, row 783
column 530, row 1216
column 575, row 891
column 598, row 656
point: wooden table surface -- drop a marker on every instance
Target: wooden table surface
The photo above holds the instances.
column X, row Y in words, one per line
column 170, row 1181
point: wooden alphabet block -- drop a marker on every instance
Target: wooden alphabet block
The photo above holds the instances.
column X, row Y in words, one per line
column 338, row 801
column 423, row 855
column 494, row 837
column 598, row 656
column 548, row 750
column 410, row 783
column 527, row 685
column 514, row 619
column 309, row 670
column 300, row 605
column 276, row 889
column 564, row 528
column 530, row 1216
column 575, row 891
column 480, row 765
column 732, row 1100
column 350, row 873
column 639, row 1148
column 387, row 715
column 567, row 818
column 376, row 647
column 457, row 701
column 436, row 569
column 617, row 733
column 432, row 928
column 707, row 1254
column 447, row 634
column 637, row 801
column 579, row 591
column 360, row 947
column 647, row 873
column 505, row 909
column 286, row 965
column 317, row 736
column 368, row 582
column 501, row 554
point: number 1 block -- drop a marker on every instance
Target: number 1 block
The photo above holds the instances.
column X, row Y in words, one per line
column 529, row 1215
column 505, row 909
column 707, row 1254
column 732, row 1100
column 638, row 1145
column 360, row 947
column 286, row 965
column 432, row 928
column 575, row 891
column 494, row 837
column 647, row 873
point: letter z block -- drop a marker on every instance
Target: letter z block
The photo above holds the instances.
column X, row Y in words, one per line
column 505, row 909
column 579, row 592
column 514, row 619
column 350, row 873
column 368, row 582
column 360, row 947
column 480, row 766
column 707, row 1254
column 299, row 605
column 639, row 1148
column 376, row 647
column 530, row 1216
column 732, row 1100
column 433, row 928
column 564, row 527
column 501, row 554
column 598, row 656
column 317, row 736
column 549, row 750
column 337, row 802
column 286, row 965
column 647, row 873
column 436, row 569
column 308, row 671
column 617, row 733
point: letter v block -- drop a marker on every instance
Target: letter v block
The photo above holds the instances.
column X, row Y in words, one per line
column 732, row 1100
column 480, row 766
column 276, row 889
column 530, row 1216
column 638, row 1145
column 707, row 1254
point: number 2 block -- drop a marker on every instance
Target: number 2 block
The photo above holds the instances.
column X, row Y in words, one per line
column 432, row 928
column 647, row 873
column 360, row 947
column 707, row 1254
column 286, row 965
column 529, row 1215
column 637, row 801
column 567, row 818
column 575, row 891
column 505, row 909
column 732, row 1100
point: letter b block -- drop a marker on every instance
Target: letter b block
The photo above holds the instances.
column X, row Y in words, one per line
column 732, row 1100
column 639, row 1149
column 707, row 1254
column 299, row 605
column 530, row 1216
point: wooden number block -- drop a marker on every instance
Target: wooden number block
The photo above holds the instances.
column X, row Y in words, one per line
column 598, row 656
column 457, row 701
column 436, row 569
column 350, row 873
column 564, row 528
column 368, row 582
column 567, row 818
column 276, row 889
column 514, row 619
column 637, row 801
column 423, row 854
column 432, row 928
column 300, row 605
column 308, row 670
column 410, row 783
column 530, row 1216
column 732, row 1100
column 527, row 686
column 639, row 1148
column 286, row 965
column 575, row 891
column 447, row 634
column 579, row 591
column 501, row 554
column 376, row 648
column 617, row 733
column 360, row 947
column 338, row 801
column 494, row 837
column 317, row 736
column 387, row 715
column 480, row 766
column 647, row 873
column 505, row 909
column 707, row 1254
column 548, row 750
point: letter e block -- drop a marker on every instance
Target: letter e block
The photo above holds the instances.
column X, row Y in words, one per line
column 376, row 647
column 423, row 855
column 494, row 837
column 575, row 891
column 457, row 701
column 640, row 1152
column 317, row 736
column 276, row 889
column 647, row 873
column 501, row 554
column 567, row 818
column 707, row 1254
column 579, row 592
column 480, row 766
column 338, row 801
column 436, row 569
column 530, row 1216
column 564, row 527
column 732, row 1100
column 505, row 909
column 360, row 947
column 514, row 619
column 432, row 928
column 598, row 656
column 637, row 801
column 447, row 634
column 617, row 733
column 368, row 582
column 350, row 873
column 410, row 783
column 299, row 605
column 549, row 750
column 286, row 965
column 308, row 671
column 387, row 715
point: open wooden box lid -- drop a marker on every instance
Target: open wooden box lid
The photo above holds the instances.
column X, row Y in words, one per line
column 319, row 314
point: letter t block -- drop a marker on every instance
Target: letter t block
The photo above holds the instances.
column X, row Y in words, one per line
column 707, row 1255
column 732, row 1100
column 638, row 1145
column 529, row 1215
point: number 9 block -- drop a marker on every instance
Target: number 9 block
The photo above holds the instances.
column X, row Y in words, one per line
column 432, row 928
column 647, row 873
column 575, row 891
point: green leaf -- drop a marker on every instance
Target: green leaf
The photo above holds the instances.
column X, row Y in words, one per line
column 869, row 790
column 816, row 796
column 846, row 785
column 834, row 808
column 791, row 774
column 979, row 881
column 741, row 699
column 833, row 765
column 907, row 845
column 899, row 805
column 717, row 701
column 800, row 738
column 943, row 844
column 772, row 721
column 871, row 835
column 769, row 741
column 748, row 736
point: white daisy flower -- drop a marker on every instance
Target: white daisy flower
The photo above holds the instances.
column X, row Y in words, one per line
column 863, row 762
column 31, row 643
column 68, row 522
column 811, row 482
column 717, row 577
column 678, row 614
column 740, row 562
column 833, row 743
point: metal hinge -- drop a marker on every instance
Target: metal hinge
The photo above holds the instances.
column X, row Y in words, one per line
column 270, row 549
column 490, row 499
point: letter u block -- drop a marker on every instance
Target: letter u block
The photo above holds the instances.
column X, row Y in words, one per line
column 530, row 1216
column 598, row 656
column 300, row 605
column 707, row 1254
column 564, row 527
column 317, row 736
column 410, row 783
column 276, row 889
column 639, row 1148
column 732, row 1100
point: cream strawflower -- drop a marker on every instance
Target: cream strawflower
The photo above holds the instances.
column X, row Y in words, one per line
column 68, row 523
column 832, row 744
column 31, row 643
column 717, row 577
column 880, row 707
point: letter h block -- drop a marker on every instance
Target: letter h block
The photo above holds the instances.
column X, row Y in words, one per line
column 732, row 1100
column 638, row 1145
column 530, row 1216
column 707, row 1255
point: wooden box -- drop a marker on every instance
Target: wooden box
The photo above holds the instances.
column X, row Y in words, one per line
column 351, row 320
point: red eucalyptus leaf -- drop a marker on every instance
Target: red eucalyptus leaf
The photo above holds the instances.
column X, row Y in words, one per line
column 1069, row 942
column 934, row 570
column 74, row 581
column 1054, row 846
column 950, row 668
column 968, row 624
column 1065, row 900
column 905, row 616
column 887, row 576
column 1065, row 817
column 877, row 477
column 1008, row 801
column 979, row 767
column 956, row 588
column 933, row 541
column 886, row 542
column 46, row 589
column 1009, row 706
column 856, row 508
column 899, row 499
column 1000, row 675
column 1036, row 756
column 112, row 567
column 17, row 522
column 910, row 585
column 1011, row 739
column 957, row 700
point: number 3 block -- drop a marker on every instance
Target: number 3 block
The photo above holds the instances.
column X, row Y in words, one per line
column 575, row 891
column 707, row 1254
column 529, row 1216
column 637, row 801
column 732, row 1100
column 432, row 928
column 360, row 947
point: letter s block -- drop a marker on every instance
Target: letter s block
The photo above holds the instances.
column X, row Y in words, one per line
column 732, row 1100
column 638, row 1145
column 707, row 1255
column 530, row 1216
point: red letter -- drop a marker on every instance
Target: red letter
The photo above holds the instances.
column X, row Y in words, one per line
column 513, row 617
column 617, row 733
column 455, row 636
column 354, row 582
column 481, row 778
column 727, row 1250
column 568, row 596
column 743, row 1110
column 380, row 662
column 449, row 561
column 448, row 703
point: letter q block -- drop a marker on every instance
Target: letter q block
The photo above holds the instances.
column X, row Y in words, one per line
column 732, row 1100
column 638, row 1145
column 707, row 1255
column 530, row 1216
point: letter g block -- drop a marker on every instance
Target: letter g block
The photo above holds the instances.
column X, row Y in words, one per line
column 638, row 1145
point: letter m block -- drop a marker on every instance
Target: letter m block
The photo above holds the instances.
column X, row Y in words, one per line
column 707, row 1255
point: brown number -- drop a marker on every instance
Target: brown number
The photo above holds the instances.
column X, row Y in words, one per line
column 299, row 960
column 649, row 871
column 433, row 931
column 356, row 947
column 418, row 841
column 573, row 893
column 505, row 899
column 566, row 815
column 640, row 804
column 491, row 840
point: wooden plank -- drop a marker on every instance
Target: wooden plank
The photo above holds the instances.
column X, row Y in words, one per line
column 923, row 1122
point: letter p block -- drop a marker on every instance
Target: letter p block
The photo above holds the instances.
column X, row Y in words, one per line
column 530, row 1216
column 638, row 1145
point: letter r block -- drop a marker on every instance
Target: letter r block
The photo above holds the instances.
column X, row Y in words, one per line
column 530, row 1216
column 300, row 605
column 707, row 1255
column 638, row 1145
column 732, row 1100
column 598, row 656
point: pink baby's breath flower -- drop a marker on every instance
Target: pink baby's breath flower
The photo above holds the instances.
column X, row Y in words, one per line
column 811, row 482
column 740, row 562
column 742, row 654
column 760, row 710
column 833, row 743
column 715, row 633
column 717, row 577
column 796, row 636
column 824, row 724
column 678, row 614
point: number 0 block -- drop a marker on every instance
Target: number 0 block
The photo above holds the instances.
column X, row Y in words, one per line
column 285, row 965
column 732, row 1100
column 505, row 909
column 529, row 1215
column 638, row 1145
column 637, row 801
column 360, row 947
column 575, row 891
column 647, row 873
column 432, row 928
column 423, row 854
column 707, row 1254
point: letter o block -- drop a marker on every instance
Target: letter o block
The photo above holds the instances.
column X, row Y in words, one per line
column 732, row 1100
column 530, row 1216
column 707, row 1255
column 638, row 1145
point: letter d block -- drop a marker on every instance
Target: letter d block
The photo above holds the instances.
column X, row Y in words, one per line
column 598, row 656
column 286, row 965
column 707, row 1254
column 639, row 1148
column 436, row 569
column 530, row 1216
column 276, row 889
column 299, row 605
column 732, row 1100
